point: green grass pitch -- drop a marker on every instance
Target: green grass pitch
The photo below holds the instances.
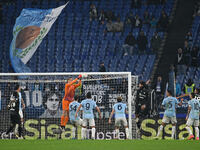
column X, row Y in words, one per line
column 99, row 145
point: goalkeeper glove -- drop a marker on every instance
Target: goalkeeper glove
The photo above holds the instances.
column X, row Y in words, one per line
column 80, row 76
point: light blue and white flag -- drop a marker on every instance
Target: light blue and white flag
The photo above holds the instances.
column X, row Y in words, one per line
column 30, row 28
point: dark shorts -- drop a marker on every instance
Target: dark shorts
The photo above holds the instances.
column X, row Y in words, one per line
column 15, row 118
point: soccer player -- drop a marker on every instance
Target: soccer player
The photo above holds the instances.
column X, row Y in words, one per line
column 70, row 88
column 21, row 108
column 13, row 106
column 87, row 106
column 72, row 111
column 169, row 103
column 193, row 116
column 120, row 117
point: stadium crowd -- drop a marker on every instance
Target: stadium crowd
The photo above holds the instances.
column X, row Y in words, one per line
column 133, row 44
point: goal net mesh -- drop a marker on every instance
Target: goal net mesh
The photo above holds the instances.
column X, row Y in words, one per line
column 42, row 112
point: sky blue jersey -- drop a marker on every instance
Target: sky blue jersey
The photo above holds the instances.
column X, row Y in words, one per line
column 170, row 104
column 120, row 110
column 195, row 105
column 88, row 105
column 73, row 106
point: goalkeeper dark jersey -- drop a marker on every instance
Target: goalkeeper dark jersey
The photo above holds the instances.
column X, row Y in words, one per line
column 14, row 102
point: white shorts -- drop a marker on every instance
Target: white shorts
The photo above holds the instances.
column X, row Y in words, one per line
column 77, row 122
column 191, row 122
column 169, row 119
column 21, row 114
column 90, row 121
column 120, row 121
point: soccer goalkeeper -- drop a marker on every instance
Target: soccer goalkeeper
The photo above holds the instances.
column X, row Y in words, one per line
column 70, row 88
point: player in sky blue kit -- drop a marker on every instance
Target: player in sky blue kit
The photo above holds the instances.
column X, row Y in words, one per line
column 193, row 116
column 119, row 109
column 87, row 106
column 73, row 106
column 169, row 103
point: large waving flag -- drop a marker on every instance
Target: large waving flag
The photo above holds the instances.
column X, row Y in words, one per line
column 30, row 28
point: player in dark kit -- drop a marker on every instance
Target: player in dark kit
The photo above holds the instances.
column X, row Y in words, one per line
column 13, row 106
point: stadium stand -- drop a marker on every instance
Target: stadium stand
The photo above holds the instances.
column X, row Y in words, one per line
column 75, row 44
column 193, row 72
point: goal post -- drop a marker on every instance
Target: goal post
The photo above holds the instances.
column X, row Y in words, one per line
column 42, row 115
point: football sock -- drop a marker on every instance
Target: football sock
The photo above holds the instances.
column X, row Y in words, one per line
column 20, row 131
column 117, row 133
column 73, row 132
column 62, row 120
column 160, row 130
column 66, row 120
column 93, row 133
column 173, row 131
column 189, row 130
column 16, row 129
column 197, row 131
column 83, row 132
column 127, row 133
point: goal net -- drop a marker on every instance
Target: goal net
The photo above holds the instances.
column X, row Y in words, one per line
column 42, row 113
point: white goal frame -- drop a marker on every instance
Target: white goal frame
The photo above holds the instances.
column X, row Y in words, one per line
column 90, row 73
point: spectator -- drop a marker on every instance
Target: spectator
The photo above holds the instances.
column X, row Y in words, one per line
column 194, row 55
column 163, row 22
column 135, row 3
column 186, row 51
column 189, row 38
column 189, row 87
column 129, row 44
column 109, row 26
column 102, row 68
column 142, row 103
column 142, row 42
column 110, row 16
column 180, row 62
column 155, row 42
column 146, row 18
column 153, row 22
column 137, row 22
column 178, row 88
column 93, row 12
column 118, row 25
column 130, row 18
column 171, row 80
column 197, row 9
column 102, row 17
column 159, row 86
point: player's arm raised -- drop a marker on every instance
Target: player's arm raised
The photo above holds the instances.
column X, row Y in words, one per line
column 111, row 115
column 97, row 108
column 79, row 83
column 78, row 110
column 74, row 81
column 182, row 96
